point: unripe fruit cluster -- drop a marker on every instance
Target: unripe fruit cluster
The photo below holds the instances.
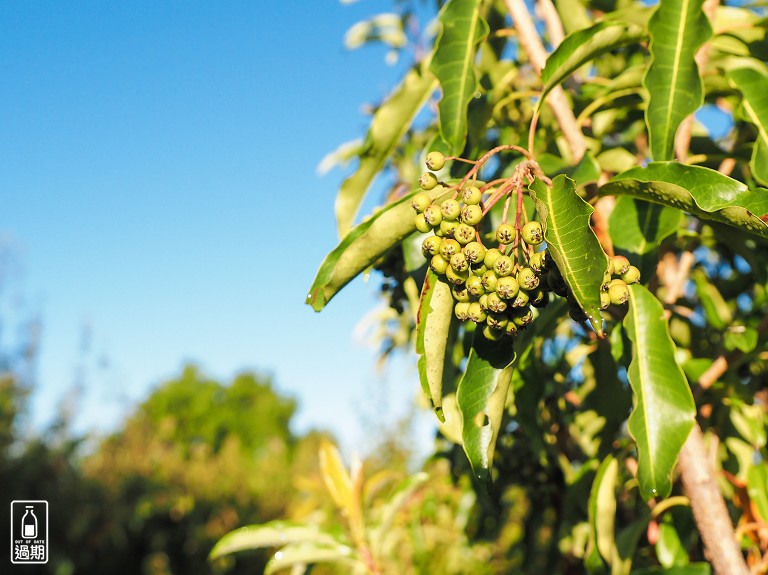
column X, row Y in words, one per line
column 615, row 281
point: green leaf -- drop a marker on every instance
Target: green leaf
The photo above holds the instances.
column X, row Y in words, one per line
column 481, row 397
column 639, row 227
column 716, row 309
column 309, row 553
column 462, row 28
column 572, row 243
column 757, row 488
column 272, row 534
column 585, row 45
column 753, row 85
column 433, row 324
column 742, row 338
column 602, row 509
column 670, row 550
column 700, row 191
column 664, row 410
column 363, row 246
column 388, row 126
column 677, row 29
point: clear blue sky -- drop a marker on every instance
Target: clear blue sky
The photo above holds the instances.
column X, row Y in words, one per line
column 158, row 187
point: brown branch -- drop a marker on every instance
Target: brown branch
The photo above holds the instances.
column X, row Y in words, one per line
column 709, row 508
column 537, row 55
column 552, row 22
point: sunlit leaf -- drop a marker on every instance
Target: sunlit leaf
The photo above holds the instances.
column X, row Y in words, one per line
column 572, row 242
column 700, row 191
column 309, row 553
column 678, row 28
column 272, row 534
column 602, row 509
column 580, row 47
column 664, row 410
column 433, row 324
column 365, row 244
column 757, row 488
column 753, row 85
column 639, row 227
column 716, row 309
column 670, row 551
column 462, row 28
column 690, row 569
column 388, row 126
column 481, row 397
column 336, row 477
column 742, row 338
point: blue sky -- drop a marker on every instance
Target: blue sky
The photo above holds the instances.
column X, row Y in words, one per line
column 159, row 192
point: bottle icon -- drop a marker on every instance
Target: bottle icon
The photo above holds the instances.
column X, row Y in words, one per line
column 29, row 524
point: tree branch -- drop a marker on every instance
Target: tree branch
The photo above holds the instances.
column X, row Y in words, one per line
column 531, row 44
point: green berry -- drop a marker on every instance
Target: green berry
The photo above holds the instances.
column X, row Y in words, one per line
column 422, row 225
column 536, row 261
column 438, row 264
column 462, row 311
column 606, row 281
column 492, row 334
column 505, row 234
column 538, row 298
column 464, row 234
column 483, row 301
column 448, row 227
column 471, row 214
column 521, row 299
column 503, row 266
column 527, row 279
column 619, row 293
column 507, row 287
column 497, row 321
column 435, row 161
column 430, row 246
column 495, row 303
column 523, row 317
column 477, row 313
column 428, row 181
column 420, row 202
column 474, row 252
column 533, row 233
column 460, row 293
column 620, row 265
column 472, row 196
column 491, row 256
column 609, row 271
column 459, row 263
column 631, row 276
column 433, row 215
column 451, row 209
column 456, row 278
column 605, row 300
column 489, row 280
column 475, row 286
column 511, row 329
column 477, row 269
column 448, row 247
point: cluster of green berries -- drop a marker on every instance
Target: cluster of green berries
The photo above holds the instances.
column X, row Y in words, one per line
column 490, row 286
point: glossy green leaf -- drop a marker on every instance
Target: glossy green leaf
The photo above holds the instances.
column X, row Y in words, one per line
column 389, row 124
column 585, row 45
column 573, row 13
column 742, row 338
column 664, row 410
column 481, row 397
column 572, row 242
column 310, row 553
column 695, row 189
column 670, row 551
column 678, row 28
column 272, row 534
column 639, row 227
column 753, row 85
column 462, row 28
column 365, row 244
column 433, row 324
